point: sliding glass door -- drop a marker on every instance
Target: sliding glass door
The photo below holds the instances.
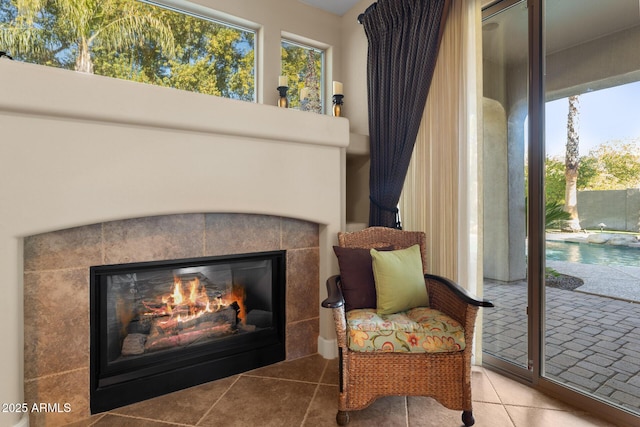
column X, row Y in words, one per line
column 505, row 111
column 592, row 171
column 561, row 161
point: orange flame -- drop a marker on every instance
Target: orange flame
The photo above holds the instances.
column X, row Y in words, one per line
column 184, row 306
column 177, row 295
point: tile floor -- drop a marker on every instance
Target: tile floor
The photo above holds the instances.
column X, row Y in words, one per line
column 592, row 342
column 303, row 392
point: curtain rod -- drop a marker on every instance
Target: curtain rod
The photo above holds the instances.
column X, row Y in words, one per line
column 361, row 16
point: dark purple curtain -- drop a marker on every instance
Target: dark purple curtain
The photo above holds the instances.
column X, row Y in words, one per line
column 404, row 38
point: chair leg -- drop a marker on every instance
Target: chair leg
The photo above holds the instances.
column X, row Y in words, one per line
column 467, row 418
column 342, row 418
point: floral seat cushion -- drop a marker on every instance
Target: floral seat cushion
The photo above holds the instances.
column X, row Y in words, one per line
column 418, row 330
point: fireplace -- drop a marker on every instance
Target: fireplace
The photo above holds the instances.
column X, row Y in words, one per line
column 280, row 185
column 161, row 326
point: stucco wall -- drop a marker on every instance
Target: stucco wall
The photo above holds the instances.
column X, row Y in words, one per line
column 618, row 209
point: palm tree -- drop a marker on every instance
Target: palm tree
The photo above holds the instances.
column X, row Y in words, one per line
column 81, row 25
column 20, row 34
column 572, row 161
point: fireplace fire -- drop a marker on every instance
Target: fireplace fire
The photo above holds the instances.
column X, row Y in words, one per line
column 158, row 327
column 180, row 318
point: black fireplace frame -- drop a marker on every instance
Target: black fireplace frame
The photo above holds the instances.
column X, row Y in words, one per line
column 127, row 383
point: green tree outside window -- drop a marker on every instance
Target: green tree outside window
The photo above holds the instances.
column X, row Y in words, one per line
column 132, row 40
column 303, row 67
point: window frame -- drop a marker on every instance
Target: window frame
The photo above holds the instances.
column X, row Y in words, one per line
column 221, row 18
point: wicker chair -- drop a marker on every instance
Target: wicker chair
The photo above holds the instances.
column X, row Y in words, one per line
column 364, row 376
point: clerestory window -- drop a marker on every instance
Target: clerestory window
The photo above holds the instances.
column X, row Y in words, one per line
column 133, row 40
column 303, row 66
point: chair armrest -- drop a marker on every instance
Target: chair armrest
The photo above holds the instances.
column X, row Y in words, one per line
column 335, row 301
column 334, row 298
column 459, row 291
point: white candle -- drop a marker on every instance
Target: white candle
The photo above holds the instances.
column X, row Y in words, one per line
column 337, row 88
column 283, row 81
column 304, row 93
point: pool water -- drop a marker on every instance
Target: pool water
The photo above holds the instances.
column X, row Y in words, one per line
column 592, row 253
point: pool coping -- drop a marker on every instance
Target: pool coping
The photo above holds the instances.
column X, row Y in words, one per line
column 617, row 282
column 581, row 237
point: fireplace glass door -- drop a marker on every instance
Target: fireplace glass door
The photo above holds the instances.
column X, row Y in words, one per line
column 157, row 324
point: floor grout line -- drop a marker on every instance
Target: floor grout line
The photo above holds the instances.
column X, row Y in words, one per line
column 406, row 410
column 317, row 410
column 313, row 397
column 206, row 414
column 133, row 417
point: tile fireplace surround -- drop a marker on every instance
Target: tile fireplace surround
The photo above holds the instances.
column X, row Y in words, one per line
column 89, row 152
column 57, row 300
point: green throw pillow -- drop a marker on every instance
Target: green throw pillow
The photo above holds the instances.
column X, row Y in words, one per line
column 399, row 280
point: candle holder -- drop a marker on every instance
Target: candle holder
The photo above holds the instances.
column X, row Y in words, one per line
column 337, row 105
column 283, row 102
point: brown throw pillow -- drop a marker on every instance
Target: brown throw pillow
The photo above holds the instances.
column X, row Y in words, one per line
column 356, row 277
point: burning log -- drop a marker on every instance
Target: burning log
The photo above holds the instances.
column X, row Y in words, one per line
column 168, row 332
column 203, row 331
column 183, row 317
column 133, row 344
column 175, row 326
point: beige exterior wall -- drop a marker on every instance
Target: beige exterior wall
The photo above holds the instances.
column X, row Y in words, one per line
column 618, row 209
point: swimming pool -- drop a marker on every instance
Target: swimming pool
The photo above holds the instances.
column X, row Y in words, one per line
column 591, row 253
